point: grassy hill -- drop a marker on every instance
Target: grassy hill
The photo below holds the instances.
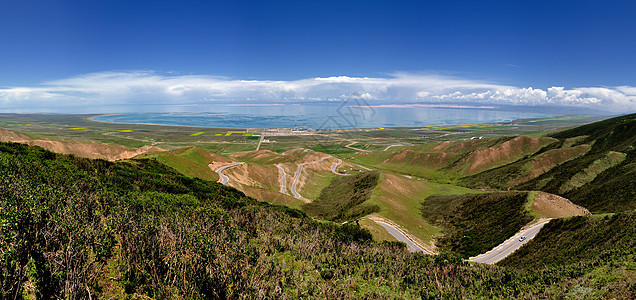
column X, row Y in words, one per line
column 78, row 228
column 475, row 223
column 399, row 199
column 344, row 198
column 593, row 165
column 604, row 179
column 191, row 162
column 454, row 159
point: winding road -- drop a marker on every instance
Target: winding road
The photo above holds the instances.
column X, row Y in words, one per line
column 363, row 167
column 299, row 171
column 283, row 182
column 510, row 245
column 335, row 166
column 357, row 149
column 491, row 257
column 402, row 237
column 222, row 178
column 389, row 147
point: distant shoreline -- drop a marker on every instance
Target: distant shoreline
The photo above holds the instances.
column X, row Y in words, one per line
column 93, row 119
column 432, row 106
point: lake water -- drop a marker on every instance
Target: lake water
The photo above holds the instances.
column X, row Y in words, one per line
column 321, row 116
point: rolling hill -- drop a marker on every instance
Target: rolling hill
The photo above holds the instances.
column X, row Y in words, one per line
column 158, row 226
column 81, row 228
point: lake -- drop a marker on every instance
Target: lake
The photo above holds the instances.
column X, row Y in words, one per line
column 321, row 116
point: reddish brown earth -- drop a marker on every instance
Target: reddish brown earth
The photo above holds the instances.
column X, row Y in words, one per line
column 554, row 206
column 81, row 148
column 549, row 160
column 506, row 152
column 400, row 156
column 442, row 146
column 476, row 160
column 464, row 145
column 249, row 178
column 435, row 160
column 264, row 156
column 258, row 176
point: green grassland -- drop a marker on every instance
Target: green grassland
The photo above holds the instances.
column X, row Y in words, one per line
column 315, row 182
column 399, row 199
column 403, row 207
column 191, row 162
column 378, row 232
column 215, row 139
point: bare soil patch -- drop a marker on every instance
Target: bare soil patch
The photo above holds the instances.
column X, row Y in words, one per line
column 555, row 206
column 399, row 157
column 264, row 156
column 434, row 160
column 81, row 148
column 483, row 159
column 443, row 146
column 549, row 160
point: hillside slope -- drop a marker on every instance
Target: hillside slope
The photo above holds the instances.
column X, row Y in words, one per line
column 191, row 162
column 77, row 228
column 593, row 165
column 475, row 223
column 81, row 148
column 587, row 239
column 344, row 198
column 604, row 179
column 462, row 158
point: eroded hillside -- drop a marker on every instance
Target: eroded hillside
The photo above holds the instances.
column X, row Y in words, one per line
column 81, row 148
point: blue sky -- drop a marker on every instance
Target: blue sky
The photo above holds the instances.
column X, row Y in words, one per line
column 50, row 49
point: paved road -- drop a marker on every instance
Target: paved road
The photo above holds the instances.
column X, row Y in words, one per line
column 400, row 236
column 283, row 184
column 222, row 178
column 511, row 245
column 335, row 166
column 363, row 167
column 260, row 141
column 299, row 171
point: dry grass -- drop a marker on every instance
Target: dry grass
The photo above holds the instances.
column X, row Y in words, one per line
column 81, row 148
column 554, row 206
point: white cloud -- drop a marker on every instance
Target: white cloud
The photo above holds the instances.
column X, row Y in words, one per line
column 146, row 88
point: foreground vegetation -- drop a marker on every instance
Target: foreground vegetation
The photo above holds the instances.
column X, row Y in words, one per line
column 80, row 228
column 601, row 247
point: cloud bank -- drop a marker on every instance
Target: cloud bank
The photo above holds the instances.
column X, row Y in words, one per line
column 150, row 88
